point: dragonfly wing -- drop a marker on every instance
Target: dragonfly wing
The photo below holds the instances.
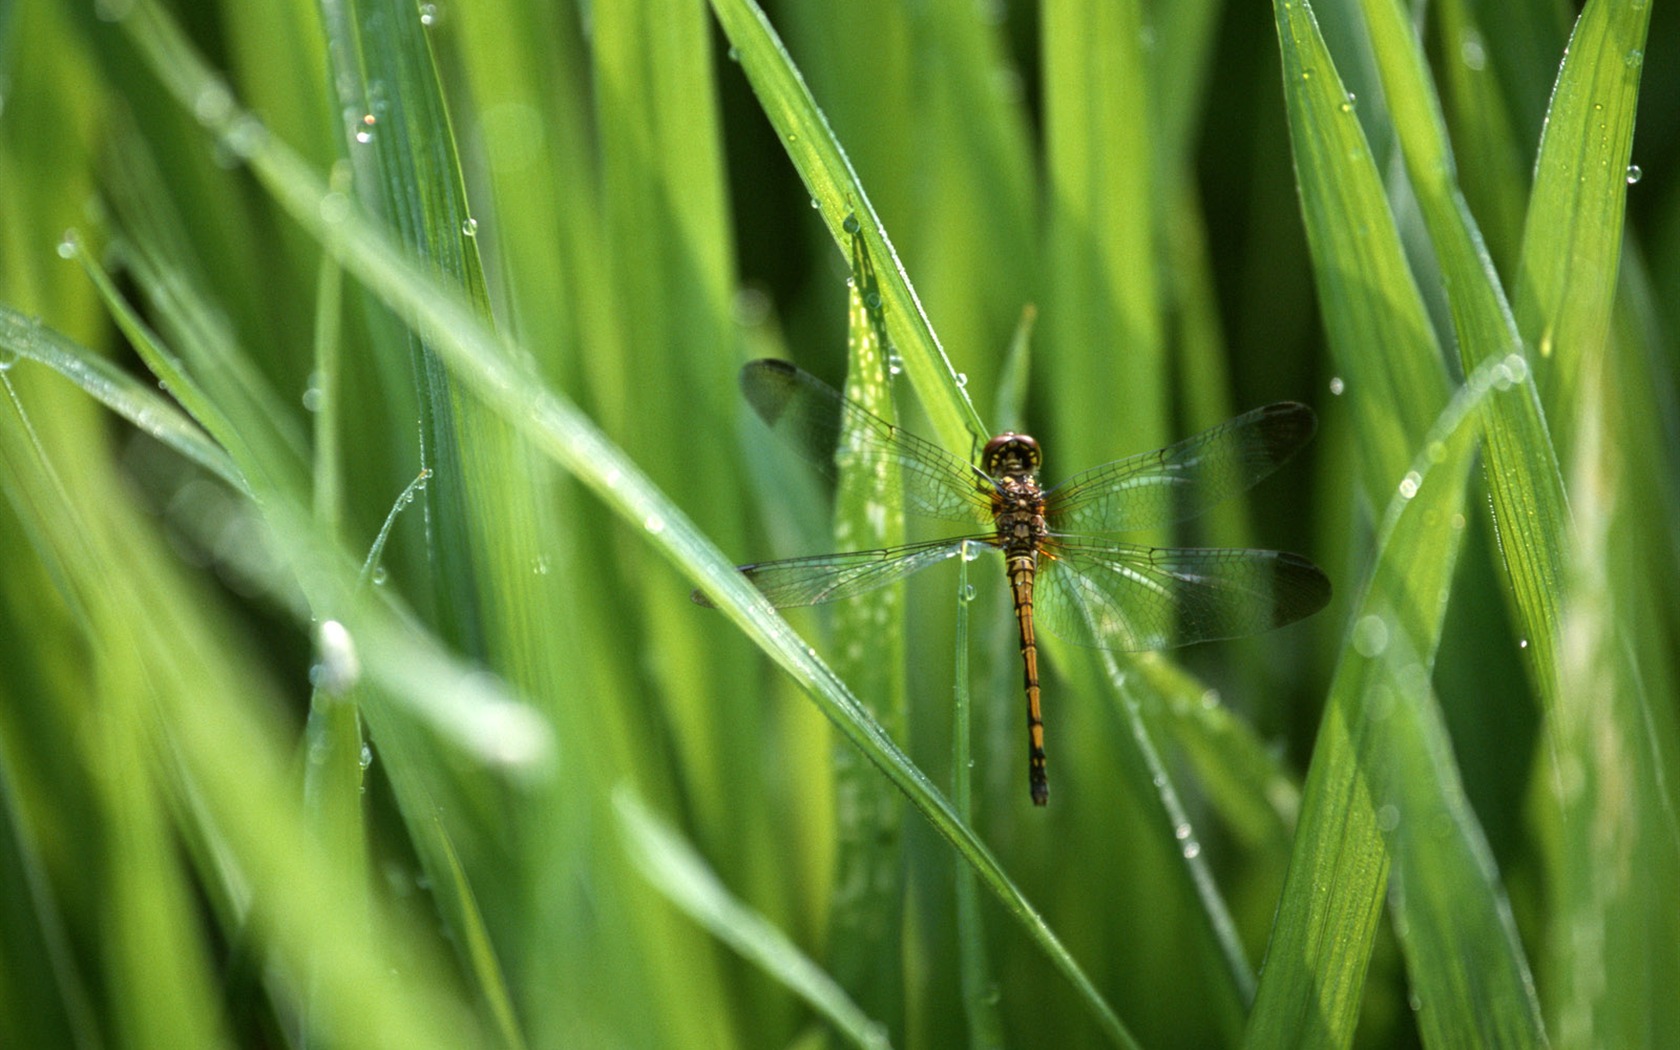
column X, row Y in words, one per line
column 830, row 577
column 1182, row 480
column 826, row 429
column 1130, row 598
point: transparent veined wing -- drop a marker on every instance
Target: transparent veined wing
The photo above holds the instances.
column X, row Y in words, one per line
column 831, row 577
column 1182, row 480
column 826, row 428
column 1129, row 597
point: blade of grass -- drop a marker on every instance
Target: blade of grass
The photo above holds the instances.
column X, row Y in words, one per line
column 678, row 872
column 1386, row 352
column 1572, row 240
column 486, row 364
column 1315, row 966
column 979, row 988
column 123, row 394
column 1102, row 320
column 866, row 915
column 834, row 186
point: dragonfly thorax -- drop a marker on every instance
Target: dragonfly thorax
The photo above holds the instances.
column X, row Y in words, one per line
column 1010, row 455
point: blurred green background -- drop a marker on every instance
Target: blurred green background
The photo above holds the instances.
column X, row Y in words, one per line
column 371, row 411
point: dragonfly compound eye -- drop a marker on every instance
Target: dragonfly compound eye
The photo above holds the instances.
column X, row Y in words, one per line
column 1010, row 453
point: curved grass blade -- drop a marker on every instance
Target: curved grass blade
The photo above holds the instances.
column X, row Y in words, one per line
column 1315, row 964
column 1572, row 240
column 835, row 188
column 681, row 874
column 135, row 401
column 490, row 367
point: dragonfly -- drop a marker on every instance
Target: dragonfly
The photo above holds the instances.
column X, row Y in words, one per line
column 1066, row 573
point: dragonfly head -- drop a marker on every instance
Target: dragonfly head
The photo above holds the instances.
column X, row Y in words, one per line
column 1010, row 454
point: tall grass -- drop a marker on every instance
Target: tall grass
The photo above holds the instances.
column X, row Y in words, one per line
column 351, row 693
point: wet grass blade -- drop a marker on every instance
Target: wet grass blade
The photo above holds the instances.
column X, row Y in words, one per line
column 835, row 188
column 680, row 873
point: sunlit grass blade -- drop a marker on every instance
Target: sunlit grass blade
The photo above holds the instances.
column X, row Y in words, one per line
column 1102, row 329
column 166, row 681
column 679, row 873
column 1327, row 919
column 122, row 393
column 978, row 981
column 1528, row 499
column 867, row 913
column 1386, row 351
column 1384, row 348
column 834, row 186
column 1572, row 241
column 554, row 427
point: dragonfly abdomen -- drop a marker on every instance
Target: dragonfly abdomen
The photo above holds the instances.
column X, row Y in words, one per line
column 1022, row 569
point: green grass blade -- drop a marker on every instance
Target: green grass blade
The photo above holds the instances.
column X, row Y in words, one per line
column 834, row 186
column 122, row 393
column 1316, row 963
column 1387, row 354
column 1102, row 328
column 674, row 867
column 867, row 914
column 679, row 873
column 1384, row 348
column 979, row 989
column 1572, row 241
column 1528, row 499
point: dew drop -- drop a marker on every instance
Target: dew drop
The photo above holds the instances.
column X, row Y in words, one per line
column 1182, row 831
column 816, row 203
column 654, row 524
column 851, row 224
column 1409, row 484
column 1350, row 102
column 1337, row 386
column 1473, row 52
column 1192, row 850
column 1388, row 817
column 428, row 15
column 339, row 667
column 1523, row 644
column 312, row 398
column 962, row 380
column 469, row 227
column 1634, row 174
column 380, row 576
column 734, row 55
column 213, row 104
column 70, row 245
column 1370, row 636
column 335, row 208
column 366, row 758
